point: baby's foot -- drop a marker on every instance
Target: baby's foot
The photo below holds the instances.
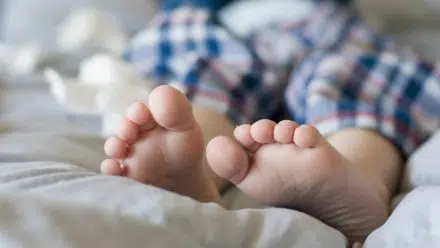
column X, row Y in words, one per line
column 161, row 145
column 289, row 166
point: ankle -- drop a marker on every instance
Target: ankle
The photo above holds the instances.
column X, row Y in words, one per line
column 377, row 159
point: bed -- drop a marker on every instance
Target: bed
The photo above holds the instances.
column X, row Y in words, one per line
column 51, row 194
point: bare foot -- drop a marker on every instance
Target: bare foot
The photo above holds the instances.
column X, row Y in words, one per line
column 163, row 146
column 289, row 166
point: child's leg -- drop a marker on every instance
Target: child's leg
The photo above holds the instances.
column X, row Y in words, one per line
column 370, row 100
column 216, row 72
column 374, row 155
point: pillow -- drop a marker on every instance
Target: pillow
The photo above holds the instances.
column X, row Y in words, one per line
column 411, row 23
column 30, row 20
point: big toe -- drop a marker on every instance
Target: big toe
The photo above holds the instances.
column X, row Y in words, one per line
column 171, row 109
column 227, row 159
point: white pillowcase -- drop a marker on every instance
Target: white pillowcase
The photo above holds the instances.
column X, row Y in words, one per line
column 29, row 20
column 245, row 16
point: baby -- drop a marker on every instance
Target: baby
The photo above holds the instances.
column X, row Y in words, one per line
column 359, row 106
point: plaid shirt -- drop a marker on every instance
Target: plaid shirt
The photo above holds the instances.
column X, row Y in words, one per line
column 329, row 70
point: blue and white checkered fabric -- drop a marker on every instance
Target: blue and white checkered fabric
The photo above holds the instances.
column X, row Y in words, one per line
column 211, row 5
column 329, row 70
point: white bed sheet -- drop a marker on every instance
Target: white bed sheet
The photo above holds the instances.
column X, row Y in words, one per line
column 49, row 184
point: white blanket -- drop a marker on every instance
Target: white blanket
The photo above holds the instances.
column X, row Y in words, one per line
column 48, row 203
column 29, row 221
column 53, row 197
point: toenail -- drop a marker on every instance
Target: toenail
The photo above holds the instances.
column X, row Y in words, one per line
column 181, row 88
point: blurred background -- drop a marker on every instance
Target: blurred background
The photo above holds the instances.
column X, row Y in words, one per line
column 415, row 23
column 45, row 44
column 25, row 20
column 412, row 22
